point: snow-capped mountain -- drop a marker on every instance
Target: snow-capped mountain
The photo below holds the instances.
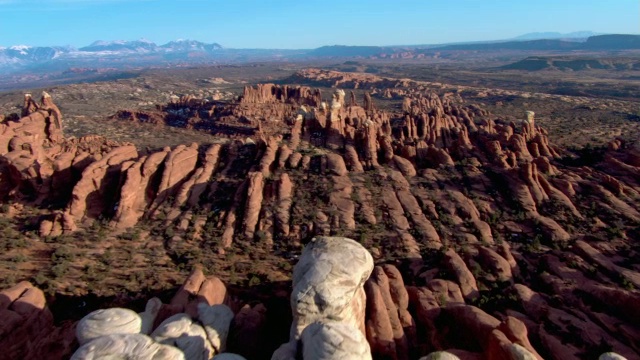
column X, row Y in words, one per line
column 182, row 45
column 24, row 55
column 122, row 46
column 147, row 47
column 107, row 52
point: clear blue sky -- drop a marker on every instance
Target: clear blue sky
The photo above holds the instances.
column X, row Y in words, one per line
column 305, row 23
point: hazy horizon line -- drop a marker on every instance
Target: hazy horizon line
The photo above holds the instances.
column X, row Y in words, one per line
column 144, row 38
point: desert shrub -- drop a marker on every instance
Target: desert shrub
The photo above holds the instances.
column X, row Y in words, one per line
column 625, row 283
column 591, row 272
column 59, row 270
column 107, row 257
column 61, row 253
column 169, row 233
column 8, row 281
column 284, row 265
column 535, row 244
column 18, row 258
column 262, row 236
column 40, row 278
column 476, row 270
column 254, row 281
column 131, row 234
column 13, row 240
column 615, row 230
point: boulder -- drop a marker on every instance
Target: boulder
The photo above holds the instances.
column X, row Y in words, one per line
column 188, row 336
column 334, row 340
column 473, row 327
column 328, row 283
column 336, row 165
column 404, row 166
column 216, row 320
column 127, row 346
column 148, row 317
column 108, row 322
column 463, row 275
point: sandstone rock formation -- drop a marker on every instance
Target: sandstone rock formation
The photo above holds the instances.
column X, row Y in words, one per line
column 135, row 346
column 107, row 322
column 328, row 299
column 120, row 332
column 26, row 323
column 462, row 211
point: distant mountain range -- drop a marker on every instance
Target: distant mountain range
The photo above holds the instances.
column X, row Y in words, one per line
column 593, row 43
column 122, row 54
column 576, row 35
column 19, row 56
column 145, row 46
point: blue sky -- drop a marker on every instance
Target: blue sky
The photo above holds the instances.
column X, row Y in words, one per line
column 305, row 23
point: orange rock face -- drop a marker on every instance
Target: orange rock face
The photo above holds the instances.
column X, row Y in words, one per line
column 27, row 328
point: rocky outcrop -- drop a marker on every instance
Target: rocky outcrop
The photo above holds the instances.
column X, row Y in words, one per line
column 333, row 340
column 401, row 224
column 178, row 165
column 328, row 297
column 253, row 204
column 269, row 156
column 193, row 188
column 128, row 346
column 27, row 329
column 91, row 196
column 200, row 339
column 40, row 125
column 342, row 205
column 198, row 333
column 270, row 93
column 516, row 331
column 59, row 224
column 196, row 289
column 462, row 274
column 593, row 255
column 494, row 264
column 336, row 165
column 285, row 200
column 137, row 192
column 390, row 326
column 404, row 166
column 106, row 322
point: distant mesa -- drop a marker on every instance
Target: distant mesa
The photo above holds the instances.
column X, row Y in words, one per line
column 537, row 63
column 613, row 42
column 347, row 51
column 574, row 36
